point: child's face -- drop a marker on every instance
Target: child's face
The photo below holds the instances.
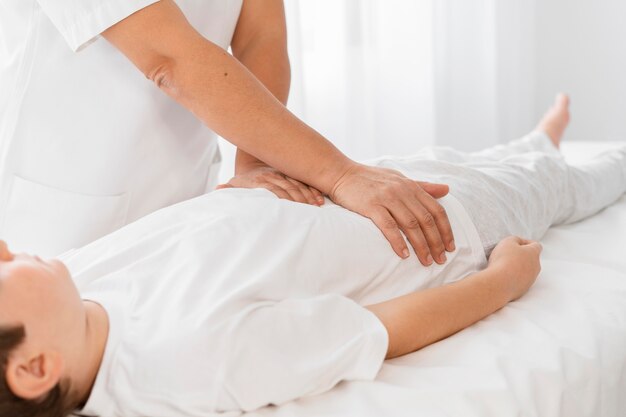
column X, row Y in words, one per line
column 38, row 294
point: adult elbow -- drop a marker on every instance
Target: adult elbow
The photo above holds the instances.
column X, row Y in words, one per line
column 163, row 74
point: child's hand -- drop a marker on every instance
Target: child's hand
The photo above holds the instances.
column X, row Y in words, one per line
column 517, row 265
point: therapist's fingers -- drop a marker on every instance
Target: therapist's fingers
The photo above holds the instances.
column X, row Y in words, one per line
column 413, row 218
column 428, row 226
column 279, row 191
column 366, row 190
column 305, row 190
column 389, row 227
column 294, row 192
column 282, row 186
column 443, row 229
column 410, row 225
column 434, row 189
column 319, row 197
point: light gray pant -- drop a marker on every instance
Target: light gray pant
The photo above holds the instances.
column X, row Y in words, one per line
column 528, row 187
column 524, row 187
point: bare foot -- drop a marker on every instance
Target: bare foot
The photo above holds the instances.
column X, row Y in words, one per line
column 556, row 119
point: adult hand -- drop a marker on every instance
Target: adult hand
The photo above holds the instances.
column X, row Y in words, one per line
column 276, row 182
column 517, row 265
column 398, row 204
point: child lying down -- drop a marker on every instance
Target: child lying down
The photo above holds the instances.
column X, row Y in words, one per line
column 237, row 299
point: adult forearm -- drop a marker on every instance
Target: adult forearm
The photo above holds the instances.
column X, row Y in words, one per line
column 266, row 58
column 221, row 92
column 419, row 319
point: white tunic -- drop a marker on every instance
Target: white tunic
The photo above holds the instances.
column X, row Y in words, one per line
column 237, row 299
column 87, row 144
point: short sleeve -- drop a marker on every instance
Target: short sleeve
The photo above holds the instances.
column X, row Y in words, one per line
column 82, row 21
column 282, row 351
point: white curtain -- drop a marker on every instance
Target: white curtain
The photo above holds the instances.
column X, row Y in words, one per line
column 362, row 72
column 389, row 76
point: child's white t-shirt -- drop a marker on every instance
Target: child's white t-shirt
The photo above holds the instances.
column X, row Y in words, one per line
column 236, row 300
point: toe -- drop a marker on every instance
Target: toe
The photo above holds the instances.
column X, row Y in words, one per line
column 562, row 100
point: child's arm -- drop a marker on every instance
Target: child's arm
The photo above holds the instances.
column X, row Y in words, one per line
column 418, row 319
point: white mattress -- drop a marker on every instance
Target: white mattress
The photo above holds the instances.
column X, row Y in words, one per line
column 558, row 351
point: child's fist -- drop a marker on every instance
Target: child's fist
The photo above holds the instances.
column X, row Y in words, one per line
column 517, row 265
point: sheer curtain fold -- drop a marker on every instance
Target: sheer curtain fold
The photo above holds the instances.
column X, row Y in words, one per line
column 390, row 76
column 359, row 73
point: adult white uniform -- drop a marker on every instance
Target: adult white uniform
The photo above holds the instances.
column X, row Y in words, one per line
column 87, row 144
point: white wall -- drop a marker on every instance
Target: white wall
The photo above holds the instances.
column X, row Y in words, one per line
column 581, row 49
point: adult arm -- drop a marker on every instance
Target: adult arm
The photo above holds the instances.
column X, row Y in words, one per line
column 260, row 44
column 222, row 93
column 419, row 319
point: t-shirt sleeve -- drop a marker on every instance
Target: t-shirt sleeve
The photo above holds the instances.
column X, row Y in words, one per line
column 282, row 351
column 82, row 21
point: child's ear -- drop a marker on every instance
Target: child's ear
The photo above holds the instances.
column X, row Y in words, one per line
column 32, row 377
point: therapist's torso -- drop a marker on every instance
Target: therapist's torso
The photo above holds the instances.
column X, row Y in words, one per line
column 87, row 144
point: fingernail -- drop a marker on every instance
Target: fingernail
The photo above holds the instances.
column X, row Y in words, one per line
column 429, row 259
column 443, row 258
column 405, row 253
column 320, row 200
column 451, row 246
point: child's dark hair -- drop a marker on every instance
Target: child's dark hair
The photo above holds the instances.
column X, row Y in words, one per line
column 54, row 404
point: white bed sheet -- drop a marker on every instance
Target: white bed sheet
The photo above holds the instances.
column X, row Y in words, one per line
column 558, row 351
